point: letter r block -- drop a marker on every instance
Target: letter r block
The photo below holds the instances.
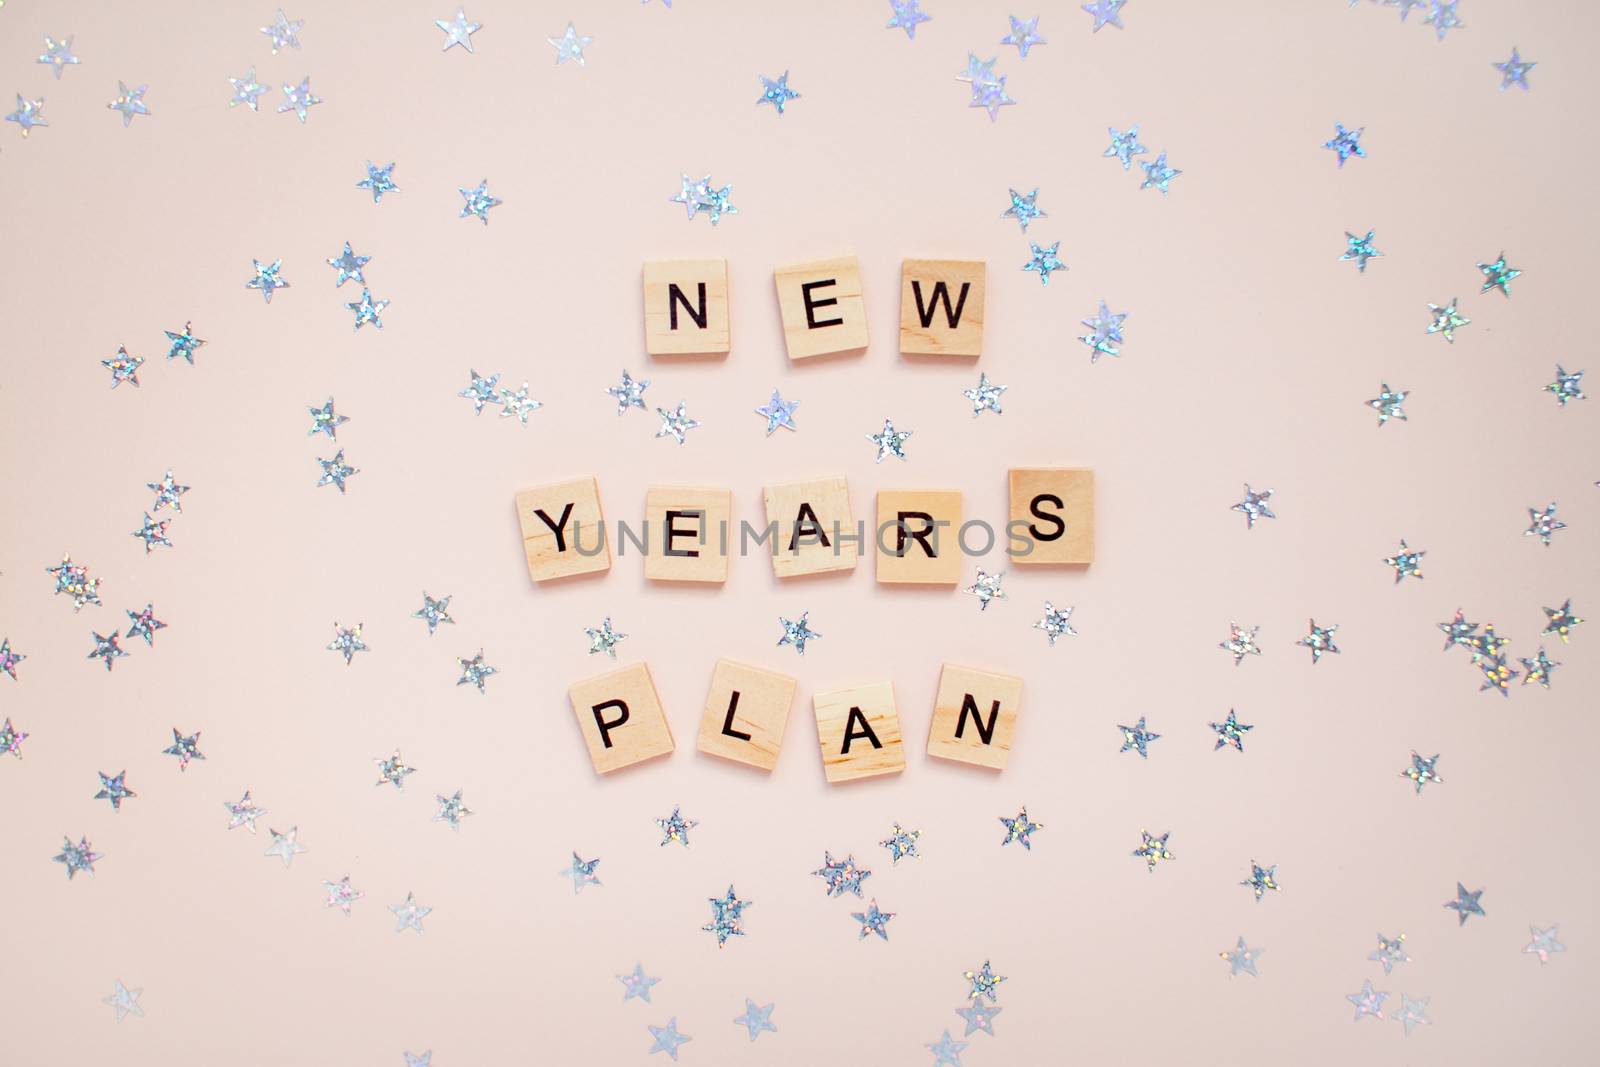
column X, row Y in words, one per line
column 686, row 308
column 822, row 308
column 859, row 731
column 974, row 716
column 560, row 524
column 746, row 711
column 941, row 307
column 918, row 536
column 620, row 717
column 1052, row 509
column 687, row 534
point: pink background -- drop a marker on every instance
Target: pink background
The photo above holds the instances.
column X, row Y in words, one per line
column 1250, row 352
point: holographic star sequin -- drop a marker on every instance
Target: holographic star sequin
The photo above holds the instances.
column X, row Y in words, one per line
column 676, row 424
column 474, row 671
column 675, row 828
column 284, row 846
column 1044, row 261
column 1124, row 145
column 73, row 579
column 167, row 493
column 79, row 857
column 1390, row 951
column 1498, row 275
column 368, row 310
column 1412, row 1013
column 1566, row 386
column 1157, row 175
column 184, row 344
column 796, row 632
column 570, row 45
column 666, row 1038
column 907, row 14
column 890, row 442
column 113, row 787
column 349, row 265
column 946, row 1051
column 873, row 921
column 125, row 1001
column 1137, row 739
column 756, row 1020
column 991, row 96
column 1106, row 13
column 1406, row 563
column 1105, row 333
column 458, row 31
column 1055, row 623
column 11, row 739
column 433, row 612
column 628, row 393
column 1019, row 828
column 1241, row 642
column 1230, row 732
column 581, row 871
column 481, row 391
column 979, row 1016
column 1242, row 960
column 698, row 196
column 1539, row 668
column 326, row 420
column 1498, row 674
column 984, row 396
column 1261, row 879
column 777, row 411
column 392, row 770
column 451, row 809
column 106, row 649
column 152, row 532
column 268, row 278
column 1442, row 17
column 29, row 113
column 123, row 367
column 1446, row 320
column 243, row 813
column 341, row 895
column 247, row 90
column 140, row 624
column 1421, row 771
column 1513, row 71
column 986, row 587
column 477, row 202
column 336, row 470
column 1389, row 404
column 347, row 642
column 1368, row 1002
column 9, row 659
column 1464, row 904
column 1319, row 641
column 841, row 876
column 984, row 982
column 1152, row 849
column 1559, row 621
column 129, row 102
column 1254, row 506
column 379, row 180
column 902, row 843
column 1023, row 208
column 298, row 99
column 1346, row 142
column 283, row 32
column 776, row 92
column 636, row 984
column 58, row 55
column 1543, row 943
column 727, row 917
column 1359, row 249
column 409, row 915
column 604, row 638
column 184, row 747
column 1543, row 524
column 1024, row 34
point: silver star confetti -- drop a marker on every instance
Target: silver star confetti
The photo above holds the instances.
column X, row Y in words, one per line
column 58, row 55
column 902, row 843
column 727, row 917
column 341, row 895
column 477, row 202
column 890, row 442
column 1543, row 943
column 409, row 915
column 636, row 984
column 347, row 642
column 325, row 420
column 1359, row 249
column 129, row 102
column 675, row 424
column 1497, row 275
column 336, row 470
column 1024, row 34
column 675, row 828
column 106, row 649
column 1242, row 960
column 29, row 113
column 458, row 31
column 1023, row 208
column 628, row 393
column 1105, row 333
column 433, row 612
column 184, row 344
column 1055, row 623
column 152, row 532
column 268, row 278
column 873, row 921
column 123, row 367
column 984, row 396
column 284, row 846
column 777, row 411
column 979, row 1016
column 1124, row 146
column 282, row 33
column 349, row 265
column 1412, row 1013
column 1539, row 668
column 797, row 632
column 392, row 770
column 1019, row 828
column 1390, row 951
column 1157, row 175
column 79, row 857
column 379, row 180
column 841, row 876
column 1261, row 879
column 1446, row 320
column 1512, row 72
column 1465, row 904
column 167, row 492
column 1153, row 849
column 474, row 671
column 113, row 788
column 1346, row 143
column 451, row 810
column 1566, row 386
column 570, row 45
column 1044, row 261
column 297, row 99
column 1137, row 739
column 986, row 587
column 243, row 813
column 1241, row 642
column 1421, row 771
column 1442, row 17
column 1543, row 524
column 604, row 638
column 1559, row 621
column 247, row 90
column 756, row 1020
column 481, row 391
column 125, row 1001
column 1319, row 640
column 907, row 15
column 581, row 872
column 666, row 1038
column 1254, row 506
column 1368, row 1002
column 1230, row 732
column 185, row 748
column 984, row 982
column 1406, row 563
column 1388, row 404
column 777, row 93
column 518, row 404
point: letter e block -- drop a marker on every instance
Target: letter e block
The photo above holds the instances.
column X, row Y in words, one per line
column 1053, row 509
column 822, row 309
column 687, row 534
column 621, row 719
column 563, row 530
column 859, row 731
column 809, row 518
column 941, row 307
column 917, row 536
column 686, row 308
column 974, row 716
column 746, row 711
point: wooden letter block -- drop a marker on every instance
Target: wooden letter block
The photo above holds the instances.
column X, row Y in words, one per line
column 563, row 530
column 810, row 518
column 822, row 309
column 687, row 534
column 621, row 719
column 859, row 731
column 1052, row 509
column 941, row 307
column 746, row 711
column 686, row 308
column 974, row 716
column 917, row 536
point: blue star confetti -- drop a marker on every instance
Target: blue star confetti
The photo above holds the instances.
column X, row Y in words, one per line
column 1023, row 208
column 727, row 917
column 1359, row 249
column 184, row 344
column 379, row 180
column 907, row 16
column 1157, row 175
column 1422, row 772
column 268, row 278
column 841, row 876
column 776, row 92
column 1137, row 739
column 1261, row 879
column 1124, row 145
column 901, row 843
column 1044, row 261
column 777, row 411
column 667, row 1038
column 756, row 1020
column 1513, row 71
column 368, row 310
column 1465, row 904
column 1153, row 849
column 1442, row 17
column 1019, row 828
column 873, row 921
column 1346, row 143
column 477, row 202
column 1024, row 34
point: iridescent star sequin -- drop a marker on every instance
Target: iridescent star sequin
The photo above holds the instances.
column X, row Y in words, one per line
column 1241, row 642
column 1319, row 640
column 243, row 812
column 1153, row 849
column 129, row 102
column 907, row 15
column 77, row 857
column 1543, row 524
column 283, row 33
column 1023, row 208
column 326, row 420
column 727, row 917
column 676, row 424
column 1560, row 621
column 73, row 579
column 58, row 55
column 777, row 411
column 1406, row 562
column 1498, row 275
column 1389, row 404
column 700, row 196
column 1465, row 903
column 123, row 367
column 167, row 493
column 29, row 113
column 873, row 921
column 341, row 895
column 984, row 982
column 347, row 642
column 1390, row 951
column 581, row 871
column 1044, row 261
column 452, row 809
column 1242, row 960
column 1412, row 1013
column 349, row 265
column 1136, row 738
column 474, row 672
column 1230, row 732
column 476, row 202
column 636, row 984
column 298, row 99
column 284, row 846
column 1346, row 143
column 152, row 532
column 628, row 393
column 368, row 310
column 106, row 649
column 986, row 587
column 1566, row 386
column 1024, row 34
column 776, row 91
column 1261, row 879
column 1157, row 175
column 268, row 278
column 11, row 739
column 1359, row 249
column 667, row 1038
column 570, row 45
column 140, row 624
column 458, row 30
column 1422, row 772
column 9, row 659
column 379, row 180
column 890, row 442
column 797, row 632
column 433, row 612
column 408, row 915
column 481, row 391
column 1124, row 145
column 1443, row 18
column 946, row 1051
column 1254, row 506
column 1513, row 71
column 1106, row 13
column 841, row 876
column 183, row 344
column 1543, row 943
column 675, row 828
column 247, row 91
column 1105, row 333
column 336, row 470
column 901, row 843
column 1446, row 320
column 185, row 747
column 985, row 396
column 1538, row 669
column 1055, row 623
column 392, row 770
column 756, row 1020
column 125, row 1001
column 1019, row 828
column 979, row 1016
column 114, row 788
column 603, row 638
column 1368, row 1002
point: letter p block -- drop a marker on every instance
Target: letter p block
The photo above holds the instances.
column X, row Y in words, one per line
column 620, row 717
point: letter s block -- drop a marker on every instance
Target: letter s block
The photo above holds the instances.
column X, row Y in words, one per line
column 746, row 711
column 859, row 731
column 620, row 717
column 686, row 308
column 941, row 307
column 974, row 716
column 563, row 530
column 1052, row 510
column 822, row 308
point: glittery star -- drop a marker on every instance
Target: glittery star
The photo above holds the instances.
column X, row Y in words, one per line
column 11, row 739
column 946, row 1051
column 243, row 813
column 433, row 612
column 73, row 579
column 1044, row 261
column 1368, row 1002
column 347, row 642
column 1152, row 849
column 581, row 872
column 106, row 649
column 125, row 1001
column 676, row 828
column 1230, row 732
column 777, row 411
column 755, row 1019
column 1421, row 771
column 1319, row 640
column 796, row 632
column 1539, row 668
column 636, row 984
column 282, row 32
column 152, row 532
column 777, row 93
column 1390, row 950
column 1346, row 142
column 184, row 344
column 267, row 278
column 873, row 921
column 29, row 113
column 1566, row 386
column 1560, row 621
column 1254, row 506
column 890, row 442
column 1465, row 904
column 129, row 102
column 9, row 659
column 326, row 420
column 478, row 202
column 979, row 1016
column 1406, row 563
column 1497, row 275
column 284, row 846
column 143, row 624
column 1241, row 643
column 368, row 310
column 984, row 396
column 986, row 587
column 1498, row 674
column 247, row 90
column 1544, row 943
column 1105, row 333
column 1513, row 71
column 123, row 367
column 1442, row 17
column 457, row 31
column 451, row 810
column 341, row 895
column 985, row 983
column 979, row 72
column 186, row 748
column 1405, row 6
column 1023, row 208
column 424, row 1060
column 727, row 916
column 349, row 265
column 841, row 876
column 58, row 54
column 1411, row 1013
column 79, row 857
column 392, row 769
column 335, row 470
column 1485, row 645
column 1106, row 13
column 1457, row 631
column 667, row 1039
column 379, row 180
column 474, row 671
column 1261, row 879
column 604, row 639
column 1389, row 404
column 629, row 393
column 907, row 13
column 299, row 98
column 902, row 843
column 1124, row 146
column 1359, row 249
column 1543, row 524
column 1242, row 960
column 1024, row 34
column 1137, row 739
column 1157, row 174
column 1055, row 623
column 675, row 424
column 991, row 96
column 1446, row 320
column 1019, row 828
column 570, row 45
column 518, row 404
column 113, row 787
column 410, row 915
column 481, row 391
column 698, row 196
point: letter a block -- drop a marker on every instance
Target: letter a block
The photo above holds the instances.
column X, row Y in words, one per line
column 859, row 731
column 918, row 536
column 974, row 716
column 686, row 308
column 621, row 719
column 809, row 518
column 1053, row 509
column 941, row 307
column 563, row 530
column 687, row 535
column 746, row 711
column 822, row 309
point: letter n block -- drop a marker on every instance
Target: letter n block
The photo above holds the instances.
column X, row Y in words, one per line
column 918, row 536
column 687, row 534
column 1052, row 509
column 859, row 730
column 746, row 711
column 809, row 518
column 822, row 308
column 941, row 307
column 621, row 719
column 974, row 716
column 686, row 308
column 563, row 530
